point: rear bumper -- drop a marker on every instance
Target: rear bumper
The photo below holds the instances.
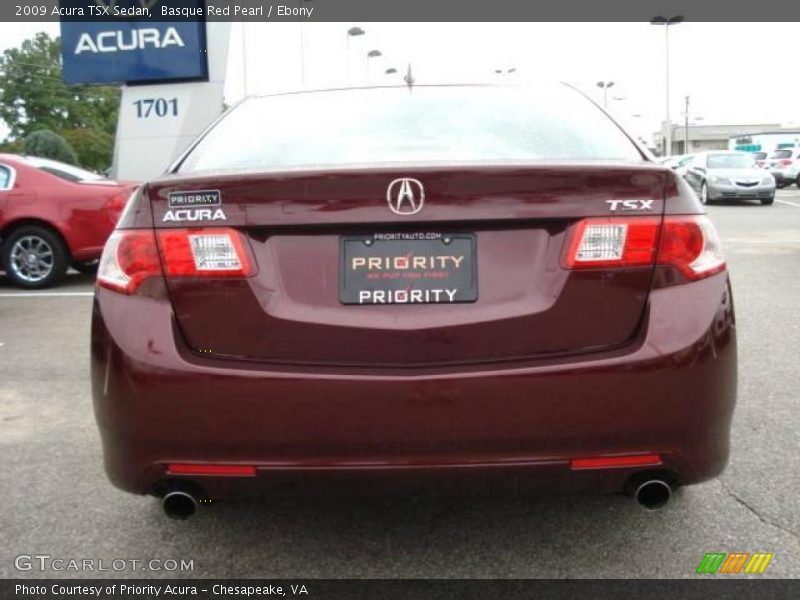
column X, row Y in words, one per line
column 87, row 254
column 671, row 391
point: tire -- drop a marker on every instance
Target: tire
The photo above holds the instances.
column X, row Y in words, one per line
column 34, row 257
column 767, row 201
column 704, row 194
column 797, row 181
column 88, row 267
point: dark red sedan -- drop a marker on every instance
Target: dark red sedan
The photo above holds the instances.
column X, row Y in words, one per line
column 53, row 215
column 413, row 281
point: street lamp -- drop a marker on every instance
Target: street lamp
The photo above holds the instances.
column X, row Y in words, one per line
column 666, row 22
column 352, row 32
column 302, row 49
column 604, row 85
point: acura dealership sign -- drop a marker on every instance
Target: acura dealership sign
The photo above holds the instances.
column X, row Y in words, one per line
column 131, row 51
column 172, row 74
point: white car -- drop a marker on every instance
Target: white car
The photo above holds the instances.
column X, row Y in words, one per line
column 784, row 165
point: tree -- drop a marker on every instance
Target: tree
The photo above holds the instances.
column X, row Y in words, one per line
column 48, row 144
column 33, row 96
column 93, row 147
column 12, row 147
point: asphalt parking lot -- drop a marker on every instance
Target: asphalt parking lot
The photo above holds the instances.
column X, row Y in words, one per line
column 56, row 499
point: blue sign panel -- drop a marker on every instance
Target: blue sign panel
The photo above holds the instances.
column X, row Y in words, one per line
column 133, row 51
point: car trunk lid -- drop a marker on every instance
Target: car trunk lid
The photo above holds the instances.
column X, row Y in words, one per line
column 511, row 222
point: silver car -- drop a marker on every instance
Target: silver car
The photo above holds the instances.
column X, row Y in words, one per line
column 729, row 176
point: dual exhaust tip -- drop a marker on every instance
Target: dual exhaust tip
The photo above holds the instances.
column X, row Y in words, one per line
column 179, row 505
column 650, row 494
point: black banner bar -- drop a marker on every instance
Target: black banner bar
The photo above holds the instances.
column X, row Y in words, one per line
column 398, row 10
column 714, row 588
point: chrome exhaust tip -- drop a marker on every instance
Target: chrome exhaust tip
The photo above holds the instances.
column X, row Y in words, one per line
column 653, row 494
column 179, row 505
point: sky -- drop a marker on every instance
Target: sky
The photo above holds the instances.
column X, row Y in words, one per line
column 728, row 69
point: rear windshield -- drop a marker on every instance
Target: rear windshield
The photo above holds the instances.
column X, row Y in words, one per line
column 782, row 154
column 730, row 161
column 398, row 125
column 760, row 155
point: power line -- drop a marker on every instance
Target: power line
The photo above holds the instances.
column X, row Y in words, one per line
column 21, row 74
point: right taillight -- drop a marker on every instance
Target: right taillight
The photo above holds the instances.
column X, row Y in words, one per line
column 691, row 244
column 133, row 255
column 688, row 243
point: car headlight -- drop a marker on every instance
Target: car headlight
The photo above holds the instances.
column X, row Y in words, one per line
column 720, row 180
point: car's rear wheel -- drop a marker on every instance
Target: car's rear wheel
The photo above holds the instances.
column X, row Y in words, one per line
column 34, row 257
column 797, row 181
column 704, row 193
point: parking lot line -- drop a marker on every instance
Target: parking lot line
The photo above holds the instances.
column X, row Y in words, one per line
column 795, row 204
column 45, row 294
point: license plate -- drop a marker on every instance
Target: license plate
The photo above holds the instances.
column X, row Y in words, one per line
column 408, row 268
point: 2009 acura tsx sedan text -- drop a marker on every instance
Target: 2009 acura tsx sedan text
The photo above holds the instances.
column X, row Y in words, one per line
column 406, row 281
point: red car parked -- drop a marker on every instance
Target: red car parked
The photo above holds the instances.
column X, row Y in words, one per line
column 53, row 215
column 387, row 281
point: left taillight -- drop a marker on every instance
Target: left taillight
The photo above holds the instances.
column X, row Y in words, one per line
column 133, row 255
column 129, row 257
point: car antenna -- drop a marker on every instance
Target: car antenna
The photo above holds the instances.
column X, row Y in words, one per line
column 409, row 78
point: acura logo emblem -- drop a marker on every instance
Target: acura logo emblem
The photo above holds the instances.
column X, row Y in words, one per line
column 405, row 196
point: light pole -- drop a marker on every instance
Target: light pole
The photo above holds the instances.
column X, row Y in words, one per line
column 604, row 85
column 686, row 127
column 372, row 54
column 302, row 50
column 244, row 60
column 686, row 124
column 666, row 22
column 352, row 32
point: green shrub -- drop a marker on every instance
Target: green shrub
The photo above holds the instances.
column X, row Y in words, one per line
column 47, row 144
